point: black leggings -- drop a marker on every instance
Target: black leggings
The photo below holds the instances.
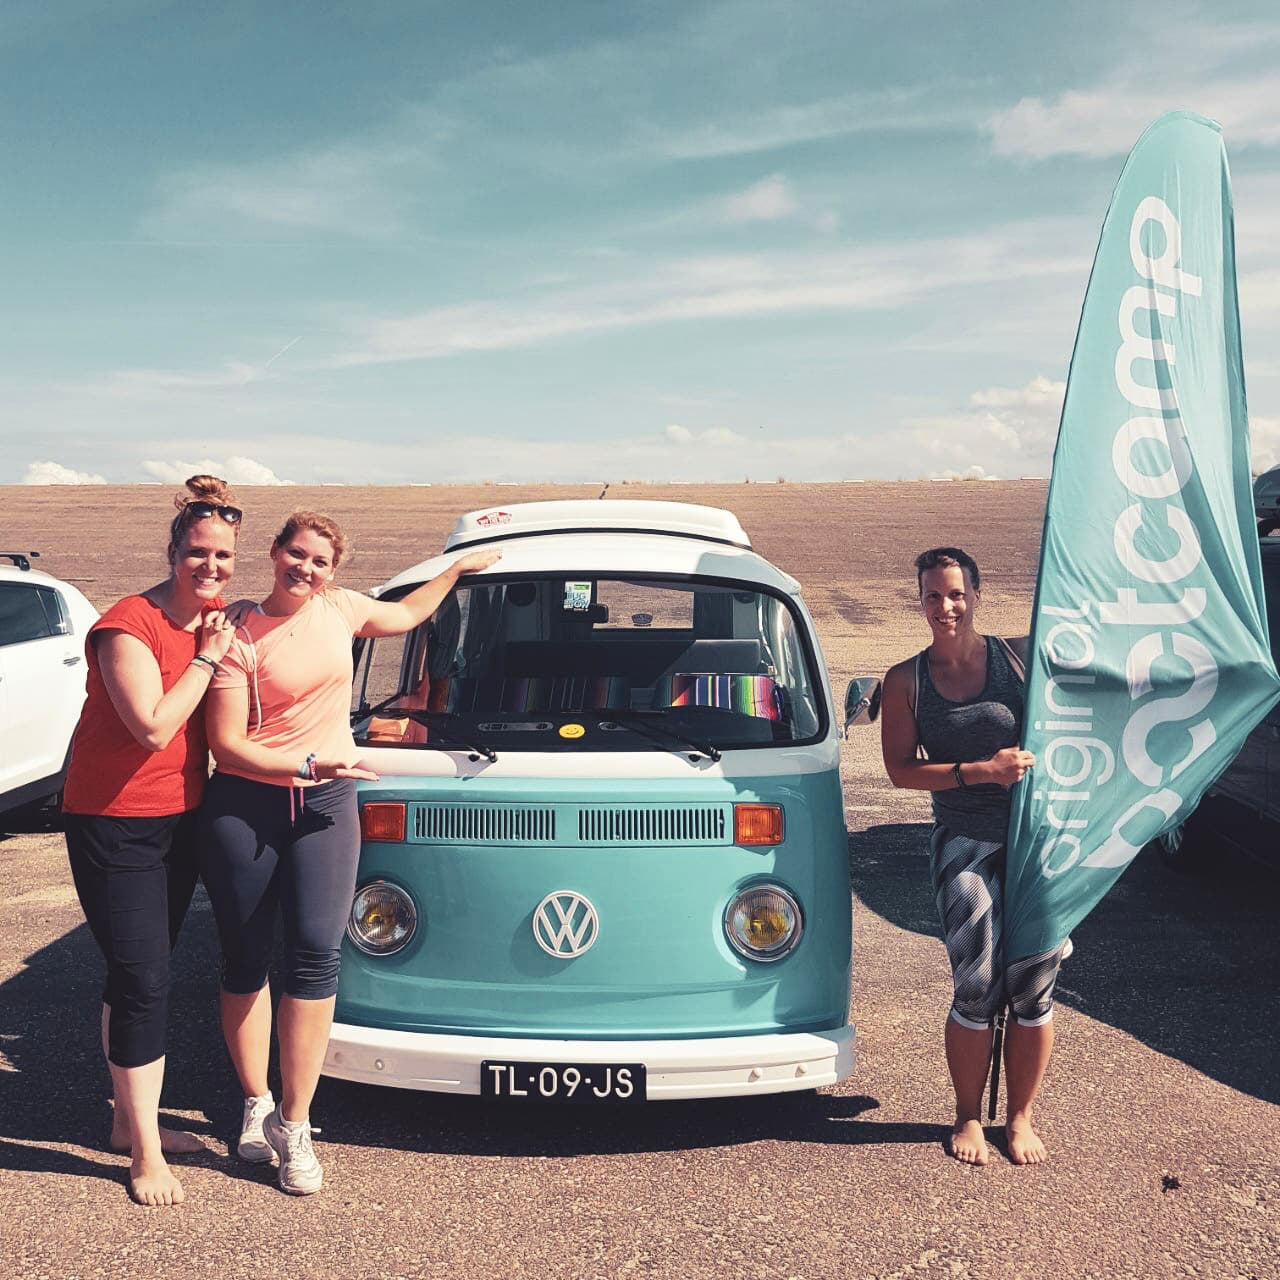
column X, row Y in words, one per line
column 135, row 878
column 258, row 851
column 968, row 882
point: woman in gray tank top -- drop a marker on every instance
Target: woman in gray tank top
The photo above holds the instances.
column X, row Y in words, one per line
column 951, row 725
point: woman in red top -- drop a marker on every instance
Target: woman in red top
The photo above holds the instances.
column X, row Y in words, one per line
column 139, row 762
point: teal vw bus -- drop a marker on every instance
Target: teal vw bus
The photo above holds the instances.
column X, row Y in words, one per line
column 606, row 857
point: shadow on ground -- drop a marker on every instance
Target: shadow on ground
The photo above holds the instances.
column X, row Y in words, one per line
column 43, row 819
column 465, row 1125
column 53, row 1087
column 1186, row 965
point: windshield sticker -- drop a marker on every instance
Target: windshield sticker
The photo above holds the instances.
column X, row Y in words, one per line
column 577, row 596
column 572, row 730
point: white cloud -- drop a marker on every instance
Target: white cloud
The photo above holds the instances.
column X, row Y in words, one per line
column 974, row 472
column 235, row 469
column 1107, row 120
column 722, row 436
column 725, row 287
column 1039, row 393
column 56, row 473
column 149, row 383
column 890, row 110
column 355, row 187
column 1264, row 442
column 452, row 457
column 1005, row 430
column 768, row 200
column 716, row 437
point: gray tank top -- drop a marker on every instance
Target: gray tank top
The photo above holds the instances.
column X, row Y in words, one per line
column 967, row 731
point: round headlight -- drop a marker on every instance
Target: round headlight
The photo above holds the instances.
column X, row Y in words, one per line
column 764, row 922
column 383, row 918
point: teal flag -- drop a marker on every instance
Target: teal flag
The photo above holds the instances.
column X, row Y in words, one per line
column 1149, row 660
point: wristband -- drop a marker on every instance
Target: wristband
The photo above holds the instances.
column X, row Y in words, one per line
column 960, row 782
column 208, row 662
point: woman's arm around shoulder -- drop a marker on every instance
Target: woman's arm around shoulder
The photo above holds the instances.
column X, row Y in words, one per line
column 131, row 674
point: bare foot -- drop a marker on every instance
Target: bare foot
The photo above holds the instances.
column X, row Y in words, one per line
column 968, row 1144
column 1025, row 1146
column 174, row 1142
column 153, row 1183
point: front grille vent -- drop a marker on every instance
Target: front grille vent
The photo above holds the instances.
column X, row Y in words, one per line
column 488, row 824
column 656, row 824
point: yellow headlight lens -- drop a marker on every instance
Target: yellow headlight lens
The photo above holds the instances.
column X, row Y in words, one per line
column 383, row 918
column 764, row 922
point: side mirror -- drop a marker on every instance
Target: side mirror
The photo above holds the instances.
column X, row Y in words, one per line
column 861, row 701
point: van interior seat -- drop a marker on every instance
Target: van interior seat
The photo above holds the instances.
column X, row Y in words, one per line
column 760, row 697
column 642, row 661
column 719, row 657
column 531, row 694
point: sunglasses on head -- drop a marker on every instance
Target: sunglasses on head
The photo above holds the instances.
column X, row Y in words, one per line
column 202, row 510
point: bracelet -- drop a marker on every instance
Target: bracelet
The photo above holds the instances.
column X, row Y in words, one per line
column 960, row 782
column 208, row 662
column 308, row 768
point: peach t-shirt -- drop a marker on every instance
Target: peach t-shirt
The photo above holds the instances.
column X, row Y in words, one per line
column 300, row 701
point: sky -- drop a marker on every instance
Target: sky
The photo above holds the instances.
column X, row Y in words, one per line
column 427, row 242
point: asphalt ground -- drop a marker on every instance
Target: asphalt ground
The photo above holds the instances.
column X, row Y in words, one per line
column 1161, row 1109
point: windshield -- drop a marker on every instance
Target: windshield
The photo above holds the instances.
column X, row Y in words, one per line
column 594, row 663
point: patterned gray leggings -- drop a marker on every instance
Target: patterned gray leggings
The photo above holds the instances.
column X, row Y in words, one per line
column 968, row 883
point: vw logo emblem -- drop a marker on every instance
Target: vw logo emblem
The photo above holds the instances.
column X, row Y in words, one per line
column 565, row 924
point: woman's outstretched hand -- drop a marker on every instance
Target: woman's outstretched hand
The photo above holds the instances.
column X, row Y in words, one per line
column 476, row 561
column 1007, row 767
column 327, row 769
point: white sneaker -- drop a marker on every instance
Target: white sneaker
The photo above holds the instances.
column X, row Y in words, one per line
column 300, row 1171
column 252, row 1146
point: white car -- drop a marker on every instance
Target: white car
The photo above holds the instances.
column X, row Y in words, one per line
column 43, row 623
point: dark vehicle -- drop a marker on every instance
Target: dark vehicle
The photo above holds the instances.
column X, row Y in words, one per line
column 1266, row 501
column 1241, row 809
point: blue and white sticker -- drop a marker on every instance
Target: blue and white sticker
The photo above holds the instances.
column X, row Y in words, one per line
column 577, row 596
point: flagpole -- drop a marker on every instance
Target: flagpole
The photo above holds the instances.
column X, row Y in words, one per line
column 997, row 1046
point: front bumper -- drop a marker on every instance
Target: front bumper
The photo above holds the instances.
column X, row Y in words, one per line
column 715, row 1067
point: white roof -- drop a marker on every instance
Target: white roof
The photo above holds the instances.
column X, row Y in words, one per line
column 82, row 610
column 519, row 519
column 614, row 553
column 32, row 577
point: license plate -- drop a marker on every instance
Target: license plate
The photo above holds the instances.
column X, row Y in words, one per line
column 580, row 1082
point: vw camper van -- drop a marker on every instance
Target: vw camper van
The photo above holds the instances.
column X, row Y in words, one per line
column 606, row 859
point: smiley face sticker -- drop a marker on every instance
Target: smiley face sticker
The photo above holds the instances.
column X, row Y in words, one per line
column 572, row 730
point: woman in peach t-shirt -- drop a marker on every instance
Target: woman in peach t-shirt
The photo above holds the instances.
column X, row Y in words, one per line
column 279, row 826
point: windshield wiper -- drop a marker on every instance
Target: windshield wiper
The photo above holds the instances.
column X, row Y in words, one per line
column 651, row 724
column 437, row 720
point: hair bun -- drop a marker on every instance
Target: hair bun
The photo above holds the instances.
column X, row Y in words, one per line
column 205, row 488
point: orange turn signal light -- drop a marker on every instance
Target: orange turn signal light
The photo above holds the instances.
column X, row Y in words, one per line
column 382, row 820
column 757, row 824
